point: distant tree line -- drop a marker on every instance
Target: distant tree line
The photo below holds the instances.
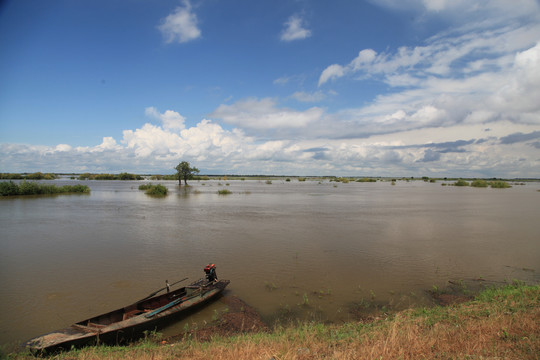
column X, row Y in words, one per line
column 32, row 176
column 121, row 176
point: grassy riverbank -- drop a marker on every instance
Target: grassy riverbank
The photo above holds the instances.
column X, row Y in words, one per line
column 498, row 323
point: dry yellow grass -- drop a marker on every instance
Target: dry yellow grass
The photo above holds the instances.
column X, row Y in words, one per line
column 500, row 324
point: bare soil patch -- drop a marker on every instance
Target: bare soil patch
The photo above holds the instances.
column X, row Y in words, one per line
column 240, row 318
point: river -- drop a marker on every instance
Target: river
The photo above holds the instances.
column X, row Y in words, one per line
column 308, row 250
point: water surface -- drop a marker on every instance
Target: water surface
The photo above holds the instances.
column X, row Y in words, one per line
column 65, row 258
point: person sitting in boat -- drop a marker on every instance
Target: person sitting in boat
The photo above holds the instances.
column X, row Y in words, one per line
column 210, row 271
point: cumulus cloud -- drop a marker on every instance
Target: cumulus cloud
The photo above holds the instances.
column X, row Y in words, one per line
column 181, row 25
column 294, row 29
column 263, row 114
column 214, row 149
column 463, row 103
column 170, row 119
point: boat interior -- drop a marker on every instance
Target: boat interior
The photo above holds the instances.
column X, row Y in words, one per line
column 132, row 310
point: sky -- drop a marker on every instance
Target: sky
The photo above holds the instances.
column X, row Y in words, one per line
column 439, row 88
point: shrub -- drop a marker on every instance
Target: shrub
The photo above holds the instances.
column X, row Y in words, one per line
column 8, row 188
column 224, row 192
column 40, row 176
column 9, row 176
column 479, row 183
column 28, row 188
column 33, row 188
column 79, row 188
column 154, row 190
column 367, row 180
column 499, row 184
column 461, row 182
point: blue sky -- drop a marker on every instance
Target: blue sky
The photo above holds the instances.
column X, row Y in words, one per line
column 365, row 88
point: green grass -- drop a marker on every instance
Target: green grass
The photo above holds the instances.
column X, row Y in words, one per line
column 154, row 190
column 479, row 183
column 366, row 180
column 9, row 188
column 499, row 184
column 121, row 176
column 461, row 182
column 500, row 323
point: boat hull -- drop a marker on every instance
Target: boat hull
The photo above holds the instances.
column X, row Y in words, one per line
column 150, row 315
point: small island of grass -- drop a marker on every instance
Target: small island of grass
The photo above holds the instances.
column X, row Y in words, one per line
column 10, row 188
column 154, row 190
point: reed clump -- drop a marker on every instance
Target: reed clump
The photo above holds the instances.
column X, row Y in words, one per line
column 461, row 182
column 154, row 190
column 10, row 188
column 499, row 184
column 479, row 183
column 367, row 180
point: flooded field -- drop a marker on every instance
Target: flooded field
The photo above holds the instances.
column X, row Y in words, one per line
column 308, row 250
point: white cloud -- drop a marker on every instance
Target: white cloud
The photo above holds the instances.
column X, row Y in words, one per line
column 463, row 103
column 170, row 119
column 308, row 97
column 282, row 80
column 181, row 25
column 63, row 147
column 264, row 115
column 331, row 72
column 294, row 29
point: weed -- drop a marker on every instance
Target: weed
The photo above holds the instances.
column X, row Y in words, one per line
column 154, row 190
column 33, row 188
column 499, row 184
column 270, row 286
column 479, row 183
column 305, row 301
column 461, row 182
column 224, row 192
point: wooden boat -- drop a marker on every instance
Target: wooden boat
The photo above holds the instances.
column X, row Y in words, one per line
column 129, row 322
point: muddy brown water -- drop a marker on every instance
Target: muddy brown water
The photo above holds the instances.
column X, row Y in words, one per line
column 295, row 250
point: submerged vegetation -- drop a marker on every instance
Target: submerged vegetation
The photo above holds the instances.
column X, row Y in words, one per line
column 479, row 183
column 121, row 176
column 154, row 190
column 499, row 184
column 498, row 323
column 496, row 184
column 9, row 188
column 461, row 182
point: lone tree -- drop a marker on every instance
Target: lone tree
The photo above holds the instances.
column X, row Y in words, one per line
column 185, row 172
